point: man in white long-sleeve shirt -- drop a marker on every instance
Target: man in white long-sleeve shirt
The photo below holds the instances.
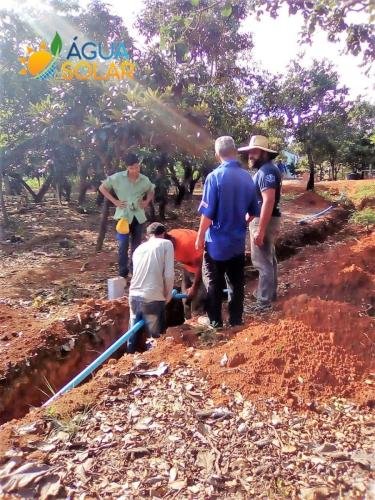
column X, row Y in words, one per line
column 152, row 282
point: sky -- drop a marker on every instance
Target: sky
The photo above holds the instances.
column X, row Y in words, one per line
column 275, row 44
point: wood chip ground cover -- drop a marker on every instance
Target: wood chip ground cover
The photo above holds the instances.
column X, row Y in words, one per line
column 163, row 437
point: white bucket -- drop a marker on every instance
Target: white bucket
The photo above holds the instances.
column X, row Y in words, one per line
column 116, row 287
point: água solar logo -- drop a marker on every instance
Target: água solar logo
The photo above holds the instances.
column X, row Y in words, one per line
column 90, row 62
column 42, row 63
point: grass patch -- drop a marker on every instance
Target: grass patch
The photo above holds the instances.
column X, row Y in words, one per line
column 33, row 183
column 341, row 198
column 364, row 191
column 364, row 217
column 70, row 425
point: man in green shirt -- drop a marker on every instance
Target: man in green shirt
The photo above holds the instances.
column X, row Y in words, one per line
column 134, row 192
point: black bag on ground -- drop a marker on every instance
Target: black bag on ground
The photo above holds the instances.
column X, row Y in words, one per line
column 174, row 312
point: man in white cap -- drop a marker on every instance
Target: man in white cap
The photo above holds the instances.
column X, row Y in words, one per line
column 265, row 228
column 152, row 282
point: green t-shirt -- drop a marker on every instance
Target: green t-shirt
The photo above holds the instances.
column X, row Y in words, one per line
column 131, row 192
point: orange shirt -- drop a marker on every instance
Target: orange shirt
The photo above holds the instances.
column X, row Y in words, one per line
column 184, row 249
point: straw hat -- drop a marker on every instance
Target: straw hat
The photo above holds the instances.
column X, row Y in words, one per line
column 258, row 142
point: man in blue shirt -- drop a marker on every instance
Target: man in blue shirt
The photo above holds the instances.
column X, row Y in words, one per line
column 229, row 194
column 265, row 228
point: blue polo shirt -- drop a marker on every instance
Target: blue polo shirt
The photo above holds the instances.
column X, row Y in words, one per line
column 228, row 195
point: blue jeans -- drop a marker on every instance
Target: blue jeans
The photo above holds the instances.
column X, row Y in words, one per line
column 135, row 236
column 154, row 315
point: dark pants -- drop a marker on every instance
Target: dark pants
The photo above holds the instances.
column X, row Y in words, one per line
column 218, row 275
column 199, row 303
column 154, row 315
column 135, row 236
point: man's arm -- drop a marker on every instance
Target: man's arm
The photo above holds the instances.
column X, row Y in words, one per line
column 268, row 196
column 207, row 209
column 144, row 203
column 106, row 193
column 193, row 290
column 149, row 198
column 168, row 271
column 205, row 223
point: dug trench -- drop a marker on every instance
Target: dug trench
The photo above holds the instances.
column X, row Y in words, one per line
column 67, row 346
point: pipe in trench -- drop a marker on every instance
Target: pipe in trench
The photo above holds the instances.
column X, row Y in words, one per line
column 105, row 355
column 97, row 362
column 314, row 216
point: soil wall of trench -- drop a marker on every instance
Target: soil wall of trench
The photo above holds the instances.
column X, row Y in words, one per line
column 57, row 360
column 83, row 337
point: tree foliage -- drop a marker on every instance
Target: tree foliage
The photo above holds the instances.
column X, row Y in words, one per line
column 353, row 19
column 195, row 80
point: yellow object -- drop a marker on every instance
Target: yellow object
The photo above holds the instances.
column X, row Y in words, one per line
column 122, row 226
column 38, row 61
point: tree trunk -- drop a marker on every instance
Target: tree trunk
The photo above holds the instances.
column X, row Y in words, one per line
column 181, row 190
column 38, row 198
column 103, row 225
column 311, row 181
column 8, row 187
column 83, row 184
column 333, row 169
column 4, row 219
column 24, row 184
column 82, row 190
column 58, row 188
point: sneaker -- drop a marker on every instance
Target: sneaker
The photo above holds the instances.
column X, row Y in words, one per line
column 205, row 321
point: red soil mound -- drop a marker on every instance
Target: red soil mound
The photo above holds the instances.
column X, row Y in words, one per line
column 346, row 273
column 288, row 359
column 310, row 199
column 321, row 343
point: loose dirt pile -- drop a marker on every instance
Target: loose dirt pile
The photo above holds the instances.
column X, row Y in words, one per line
column 288, row 359
column 346, row 275
column 319, row 343
column 310, row 199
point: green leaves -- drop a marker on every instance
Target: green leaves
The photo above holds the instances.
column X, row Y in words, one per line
column 56, row 45
column 195, row 3
column 226, row 11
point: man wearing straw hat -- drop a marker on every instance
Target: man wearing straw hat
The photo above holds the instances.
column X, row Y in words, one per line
column 265, row 228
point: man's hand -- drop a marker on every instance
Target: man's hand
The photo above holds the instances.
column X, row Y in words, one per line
column 199, row 242
column 191, row 293
column 120, row 204
column 259, row 238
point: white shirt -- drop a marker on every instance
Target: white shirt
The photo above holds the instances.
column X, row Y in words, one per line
column 153, row 270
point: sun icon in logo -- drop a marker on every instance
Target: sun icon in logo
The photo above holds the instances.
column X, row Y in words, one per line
column 41, row 63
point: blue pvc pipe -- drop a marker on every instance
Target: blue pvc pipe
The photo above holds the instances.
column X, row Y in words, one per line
column 314, row 216
column 98, row 361
column 176, row 295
